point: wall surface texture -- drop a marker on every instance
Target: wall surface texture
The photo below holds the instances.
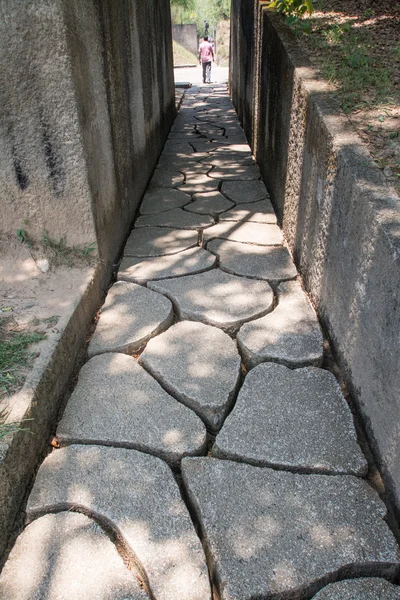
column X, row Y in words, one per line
column 87, row 96
column 87, row 100
column 186, row 36
column 340, row 218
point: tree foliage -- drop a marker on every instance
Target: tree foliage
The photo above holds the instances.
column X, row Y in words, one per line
column 200, row 12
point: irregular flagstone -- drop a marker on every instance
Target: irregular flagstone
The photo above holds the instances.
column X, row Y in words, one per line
column 360, row 589
column 238, row 173
column 191, row 168
column 238, row 149
column 291, row 335
column 67, row 556
column 263, row 234
column 159, row 241
column 173, row 161
column 256, row 212
column 199, row 183
column 199, row 365
column 177, row 218
column 130, row 316
column 292, row 419
column 158, row 201
column 218, row 159
column 272, row 263
column 244, row 191
column 217, row 298
column 209, row 203
column 175, row 146
column 273, row 534
column 116, row 402
column 137, row 496
column 187, row 262
column 164, row 178
column 209, row 146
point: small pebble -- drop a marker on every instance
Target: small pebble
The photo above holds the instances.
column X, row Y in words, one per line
column 43, row 265
column 387, row 171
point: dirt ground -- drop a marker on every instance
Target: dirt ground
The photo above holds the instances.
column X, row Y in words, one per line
column 356, row 45
column 36, row 301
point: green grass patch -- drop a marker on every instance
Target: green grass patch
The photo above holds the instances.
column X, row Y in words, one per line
column 183, row 56
column 15, row 357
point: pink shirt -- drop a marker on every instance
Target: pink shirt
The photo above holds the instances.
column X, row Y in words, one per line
column 206, row 52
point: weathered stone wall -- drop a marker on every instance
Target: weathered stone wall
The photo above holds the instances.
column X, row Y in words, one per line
column 340, row 218
column 87, row 96
column 186, row 36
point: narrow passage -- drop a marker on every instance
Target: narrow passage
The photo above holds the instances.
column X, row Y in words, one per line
column 205, row 452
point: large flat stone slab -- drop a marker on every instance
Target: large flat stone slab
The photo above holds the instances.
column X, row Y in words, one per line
column 187, row 262
column 67, row 556
column 217, row 298
column 196, row 184
column 273, row 534
column 272, row 263
column 176, row 218
column 244, row 191
column 235, row 173
column 291, row 336
column 199, row 365
column 165, row 178
column 116, row 402
column 296, row 420
column 263, row 234
column 209, row 203
column 159, row 241
column 130, row 316
column 254, row 212
column 157, row 201
column 172, row 147
column 370, row 588
column 227, row 157
column 137, row 496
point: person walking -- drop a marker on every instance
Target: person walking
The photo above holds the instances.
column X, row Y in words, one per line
column 206, row 56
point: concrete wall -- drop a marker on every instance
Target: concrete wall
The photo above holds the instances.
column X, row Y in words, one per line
column 87, row 100
column 340, row 218
column 186, row 36
column 88, row 96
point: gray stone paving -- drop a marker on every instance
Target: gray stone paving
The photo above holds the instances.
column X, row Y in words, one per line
column 209, row 203
column 130, row 316
column 159, row 241
column 268, row 533
column 271, row 532
column 272, row 263
column 116, row 402
column 290, row 335
column 159, row 200
column 263, row 234
column 166, row 178
column 176, row 218
column 187, row 262
column 217, row 298
column 137, row 496
column 256, row 212
column 199, row 364
column 67, row 556
column 248, row 191
column 296, row 420
column 360, row 589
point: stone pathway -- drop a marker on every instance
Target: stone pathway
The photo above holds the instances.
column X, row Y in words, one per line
column 206, row 455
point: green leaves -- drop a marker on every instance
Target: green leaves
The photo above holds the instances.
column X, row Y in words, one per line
column 293, row 8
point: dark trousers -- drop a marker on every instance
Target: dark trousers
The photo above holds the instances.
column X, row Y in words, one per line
column 207, row 72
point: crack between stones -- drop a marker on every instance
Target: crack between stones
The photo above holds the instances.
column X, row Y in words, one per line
column 129, row 557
